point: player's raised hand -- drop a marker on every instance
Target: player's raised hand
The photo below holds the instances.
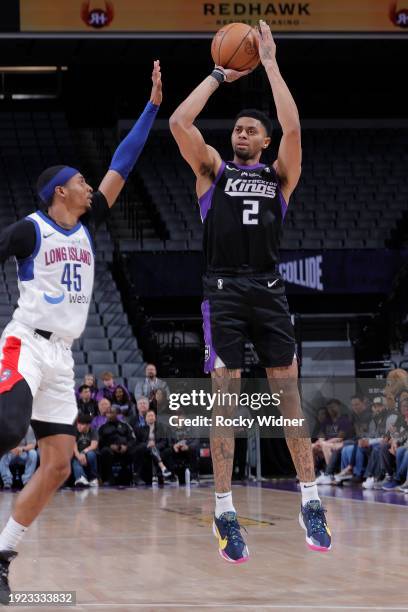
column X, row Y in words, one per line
column 267, row 46
column 157, row 89
column 233, row 75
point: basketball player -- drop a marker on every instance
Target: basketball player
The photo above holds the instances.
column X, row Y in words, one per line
column 55, row 258
column 243, row 204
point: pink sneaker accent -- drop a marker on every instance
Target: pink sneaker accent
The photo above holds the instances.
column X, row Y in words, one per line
column 226, row 557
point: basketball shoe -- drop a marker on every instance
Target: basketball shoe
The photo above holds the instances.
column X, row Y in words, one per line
column 5, row 557
column 313, row 520
column 231, row 544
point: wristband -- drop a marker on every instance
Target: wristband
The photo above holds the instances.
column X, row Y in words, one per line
column 219, row 75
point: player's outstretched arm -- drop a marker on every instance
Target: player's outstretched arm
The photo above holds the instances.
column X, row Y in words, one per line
column 288, row 165
column 128, row 151
column 203, row 159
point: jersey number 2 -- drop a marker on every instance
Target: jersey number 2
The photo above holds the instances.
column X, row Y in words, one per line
column 73, row 278
column 250, row 215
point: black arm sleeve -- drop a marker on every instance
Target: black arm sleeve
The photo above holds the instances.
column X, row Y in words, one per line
column 17, row 240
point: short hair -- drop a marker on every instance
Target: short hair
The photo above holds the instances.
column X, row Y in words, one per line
column 84, row 419
column 358, row 397
column 259, row 115
column 142, row 398
column 45, row 177
column 105, row 399
column 106, row 375
column 82, row 387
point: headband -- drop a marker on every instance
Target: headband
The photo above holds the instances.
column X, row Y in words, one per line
column 60, row 179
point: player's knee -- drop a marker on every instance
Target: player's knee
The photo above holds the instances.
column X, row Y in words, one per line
column 56, row 472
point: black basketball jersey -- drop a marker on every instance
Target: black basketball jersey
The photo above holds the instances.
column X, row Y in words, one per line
column 242, row 214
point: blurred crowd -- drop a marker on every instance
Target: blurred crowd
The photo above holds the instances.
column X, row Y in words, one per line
column 367, row 442
column 119, row 438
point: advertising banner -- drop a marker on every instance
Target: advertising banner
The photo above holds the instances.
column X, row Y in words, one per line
column 169, row 16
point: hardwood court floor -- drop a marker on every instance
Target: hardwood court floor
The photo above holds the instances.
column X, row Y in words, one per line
column 153, row 550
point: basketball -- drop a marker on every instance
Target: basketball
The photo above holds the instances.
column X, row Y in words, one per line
column 235, row 46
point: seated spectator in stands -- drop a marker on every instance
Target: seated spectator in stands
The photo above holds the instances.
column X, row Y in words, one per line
column 151, row 441
column 109, row 387
column 369, row 449
column 361, row 417
column 103, row 408
column 150, row 384
column 25, row 455
column 322, row 418
column 395, row 383
column 139, row 419
column 160, row 403
column 336, row 430
column 184, row 450
column 392, row 453
column 116, row 444
column 86, row 405
column 84, row 461
column 122, row 402
column 89, row 381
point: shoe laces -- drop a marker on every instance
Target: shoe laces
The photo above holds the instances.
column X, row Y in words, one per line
column 316, row 516
column 233, row 528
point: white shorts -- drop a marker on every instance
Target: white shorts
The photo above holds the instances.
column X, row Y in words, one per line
column 48, row 368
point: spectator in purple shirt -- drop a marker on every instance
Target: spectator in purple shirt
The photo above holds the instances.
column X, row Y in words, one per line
column 104, row 406
column 89, row 381
column 122, row 402
column 109, row 387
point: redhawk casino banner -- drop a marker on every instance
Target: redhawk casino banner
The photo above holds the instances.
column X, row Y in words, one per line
column 196, row 16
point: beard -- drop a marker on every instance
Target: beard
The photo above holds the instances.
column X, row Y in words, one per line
column 244, row 155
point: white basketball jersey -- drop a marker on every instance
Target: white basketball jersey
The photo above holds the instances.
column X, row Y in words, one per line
column 56, row 281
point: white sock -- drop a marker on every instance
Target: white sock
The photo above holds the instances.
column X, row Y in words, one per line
column 223, row 503
column 309, row 492
column 11, row 535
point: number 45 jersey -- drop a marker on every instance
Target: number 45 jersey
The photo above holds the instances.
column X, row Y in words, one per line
column 242, row 212
column 56, row 281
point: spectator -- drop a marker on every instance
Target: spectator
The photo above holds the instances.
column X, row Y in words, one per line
column 109, row 386
column 116, row 444
column 139, row 420
column 86, row 405
column 393, row 451
column 84, row 462
column 24, row 454
column 103, row 406
column 150, row 384
column 121, row 401
column 90, row 381
column 151, row 440
column 396, row 381
column 160, row 402
column 361, row 417
column 184, row 451
column 322, row 418
column 336, row 430
column 384, row 418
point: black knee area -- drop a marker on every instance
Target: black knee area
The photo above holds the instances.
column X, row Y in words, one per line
column 15, row 415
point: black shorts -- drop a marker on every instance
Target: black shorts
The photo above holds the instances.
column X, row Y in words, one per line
column 241, row 309
column 44, row 429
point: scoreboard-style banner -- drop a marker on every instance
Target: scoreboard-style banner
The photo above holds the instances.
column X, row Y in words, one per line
column 170, row 16
column 343, row 271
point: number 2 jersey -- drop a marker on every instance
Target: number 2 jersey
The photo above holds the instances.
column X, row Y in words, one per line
column 242, row 212
column 55, row 269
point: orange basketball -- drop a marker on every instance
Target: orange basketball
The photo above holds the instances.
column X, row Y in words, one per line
column 235, row 46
